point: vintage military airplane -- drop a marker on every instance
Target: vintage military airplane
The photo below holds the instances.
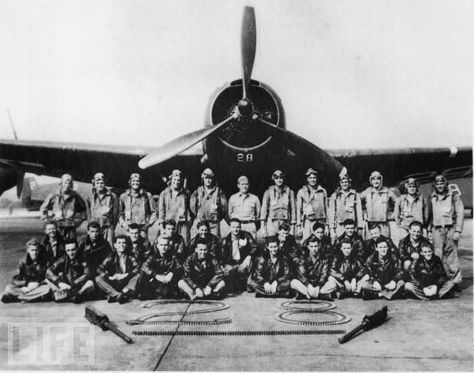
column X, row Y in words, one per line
column 245, row 133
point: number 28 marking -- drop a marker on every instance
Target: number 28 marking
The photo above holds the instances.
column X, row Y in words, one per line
column 244, row 157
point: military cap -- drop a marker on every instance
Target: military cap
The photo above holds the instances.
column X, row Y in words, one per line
column 242, row 178
column 33, row 242
column 207, row 172
column 440, row 178
column 98, row 176
column 175, row 173
column 278, row 173
column 411, row 182
column 135, row 176
column 375, row 174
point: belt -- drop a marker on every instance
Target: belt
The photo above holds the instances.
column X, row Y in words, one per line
column 247, row 221
column 443, row 226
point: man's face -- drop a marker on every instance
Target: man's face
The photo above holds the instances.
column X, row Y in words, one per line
column 176, row 181
column 235, row 228
column 208, row 181
column 71, row 250
column 163, row 246
column 313, row 248
column 201, row 250
column 376, row 181
column 243, row 186
column 349, row 229
column 312, row 180
column 273, row 248
column 134, row 234
column 344, row 183
column 440, row 186
column 66, row 183
column 382, row 249
column 375, row 233
column 279, row 180
column 415, row 232
column 319, row 233
column 411, row 189
column 282, row 235
column 169, row 230
column 427, row 252
column 33, row 252
column 120, row 245
column 135, row 184
column 50, row 230
column 93, row 233
column 203, row 231
column 99, row 185
column 346, row 249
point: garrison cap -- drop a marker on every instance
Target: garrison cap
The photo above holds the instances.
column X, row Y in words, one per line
column 207, row 172
column 311, row 171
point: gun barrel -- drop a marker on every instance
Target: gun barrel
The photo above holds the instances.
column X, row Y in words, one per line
column 118, row 332
column 348, row 336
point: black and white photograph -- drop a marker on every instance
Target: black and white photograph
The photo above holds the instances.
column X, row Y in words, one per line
column 242, row 185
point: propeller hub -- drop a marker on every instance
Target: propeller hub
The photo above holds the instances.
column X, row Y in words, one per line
column 245, row 108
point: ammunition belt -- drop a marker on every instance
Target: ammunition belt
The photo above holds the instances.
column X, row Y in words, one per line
column 292, row 308
column 182, row 322
column 235, row 332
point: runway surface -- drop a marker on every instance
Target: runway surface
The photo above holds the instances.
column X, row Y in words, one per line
column 435, row 335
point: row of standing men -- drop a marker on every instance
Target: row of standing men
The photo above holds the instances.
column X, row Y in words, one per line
column 441, row 215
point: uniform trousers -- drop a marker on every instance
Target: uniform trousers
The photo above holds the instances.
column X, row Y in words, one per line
column 368, row 285
column 251, row 228
column 109, row 234
column 308, row 227
column 236, row 275
column 150, row 287
column 283, row 288
column 447, row 249
column 36, row 294
column 417, row 290
column 85, row 289
column 114, row 287
column 274, row 224
column 334, row 285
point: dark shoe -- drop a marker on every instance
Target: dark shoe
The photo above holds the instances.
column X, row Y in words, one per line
column 258, row 295
column 76, row 299
column 9, row 298
column 111, row 299
column 457, row 288
column 300, row 296
column 368, row 295
column 122, row 298
column 325, row 297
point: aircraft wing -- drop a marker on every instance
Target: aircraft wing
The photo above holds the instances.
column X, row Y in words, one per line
column 83, row 160
column 398, row 163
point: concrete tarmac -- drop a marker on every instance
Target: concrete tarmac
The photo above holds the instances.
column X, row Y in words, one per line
column 435, row 336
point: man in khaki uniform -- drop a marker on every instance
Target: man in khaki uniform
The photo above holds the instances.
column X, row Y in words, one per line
column 278, row 206
column 311, row 205
column 174, row 204
column 245, row 206
column 102, row 207
column 344, row 204
column 411, row 206
column 208, row 204
column 375, row 201
column 65, row 207
column 446, row 224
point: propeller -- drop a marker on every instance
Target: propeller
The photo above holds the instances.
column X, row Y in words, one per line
column 181, row 144
column 306, row 149
column 248, row 45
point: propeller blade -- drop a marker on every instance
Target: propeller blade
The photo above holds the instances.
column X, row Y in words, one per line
column 306, row 150
column 180, row 144
column 248, row 44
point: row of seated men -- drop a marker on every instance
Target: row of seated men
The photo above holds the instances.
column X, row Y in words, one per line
column 206, row 268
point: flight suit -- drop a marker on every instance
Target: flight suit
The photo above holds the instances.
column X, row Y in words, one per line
column 311, row 207
column 376, row 203
column 175, row 205
column 158, row 264
column 104, row 209
column 278, row 207
column 344, row 206
column 408, row 210
column 28, row 271
column 447, row 217
column 209, row 205
column 112, row 265
column 246, row 208
column 137, row 208
column 67, row 210
column 424, row 273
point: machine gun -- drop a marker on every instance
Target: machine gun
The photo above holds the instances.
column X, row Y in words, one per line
column 100, row 319
column 368, row 322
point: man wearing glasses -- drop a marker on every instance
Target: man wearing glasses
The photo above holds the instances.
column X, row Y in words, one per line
column 375, row 202
column 278, row 206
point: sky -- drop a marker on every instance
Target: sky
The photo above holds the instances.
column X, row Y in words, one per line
column 351, row 74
